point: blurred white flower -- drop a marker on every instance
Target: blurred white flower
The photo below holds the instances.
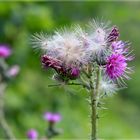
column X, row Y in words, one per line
column 13, row 71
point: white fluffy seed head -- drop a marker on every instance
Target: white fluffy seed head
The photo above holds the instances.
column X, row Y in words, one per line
column 98, row 37
column 68, row 47
column 107, row 86
column 65, row 46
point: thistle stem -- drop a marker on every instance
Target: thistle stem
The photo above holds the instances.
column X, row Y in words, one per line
column 94, row 102
column 3, row 124
column 93, row 116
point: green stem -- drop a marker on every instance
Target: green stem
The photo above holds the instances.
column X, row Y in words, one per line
column 3, row 124
column 98, row 81
column 94, row 102
column 93, row 116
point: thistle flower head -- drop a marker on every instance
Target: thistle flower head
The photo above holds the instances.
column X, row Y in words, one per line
column 116, row 65
column 66, row 72
column 32, row 134
column 48, row 61
column 5, row 51
column 117, row 61
column 113, row 35
column 52, row 117
column 97, row 39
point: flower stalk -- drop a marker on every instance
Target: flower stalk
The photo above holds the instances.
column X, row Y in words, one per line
column 94, row 94
column 6, row 74
column 93, row 116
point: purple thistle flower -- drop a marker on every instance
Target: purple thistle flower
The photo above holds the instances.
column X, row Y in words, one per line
column 52, row 117
column 5, row 51
column 113, row 35
column 116, row 66
column 53, row 63
column 67, row 72
column 50, row 62
column 32, row 134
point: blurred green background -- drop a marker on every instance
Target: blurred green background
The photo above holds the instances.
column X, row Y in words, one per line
column 28, row 96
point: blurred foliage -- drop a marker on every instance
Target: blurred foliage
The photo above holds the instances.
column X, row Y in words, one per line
column 28, row 97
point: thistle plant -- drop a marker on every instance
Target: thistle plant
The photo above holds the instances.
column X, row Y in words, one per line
column 6, row 74
column 94, row 58
column 52, row 119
